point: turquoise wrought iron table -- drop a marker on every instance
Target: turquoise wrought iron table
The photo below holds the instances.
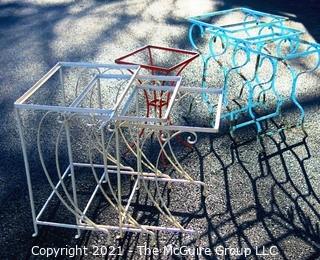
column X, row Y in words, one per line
column 255, row 44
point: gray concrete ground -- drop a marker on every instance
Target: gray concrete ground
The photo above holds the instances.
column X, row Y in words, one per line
column 257, row 197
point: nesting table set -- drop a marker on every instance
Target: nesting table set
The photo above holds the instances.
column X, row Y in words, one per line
column 117, row 120
column 100, row 115
column 262, row 41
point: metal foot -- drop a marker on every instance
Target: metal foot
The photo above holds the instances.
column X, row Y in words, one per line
column 153, row 241
column 205, row 192
column 78, row 234
column 118, row 237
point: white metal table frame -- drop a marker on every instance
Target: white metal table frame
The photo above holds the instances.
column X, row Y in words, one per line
column 118, row 119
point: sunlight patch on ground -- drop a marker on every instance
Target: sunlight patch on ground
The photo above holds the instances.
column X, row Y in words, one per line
column 190, row 7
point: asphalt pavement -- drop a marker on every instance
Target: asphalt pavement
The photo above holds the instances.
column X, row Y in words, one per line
column 261, row 195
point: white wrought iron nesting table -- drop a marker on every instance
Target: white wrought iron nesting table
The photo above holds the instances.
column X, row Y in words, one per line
column 100, row 107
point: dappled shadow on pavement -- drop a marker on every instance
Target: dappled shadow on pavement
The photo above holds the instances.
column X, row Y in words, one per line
column 255, row 198
column 270, row 201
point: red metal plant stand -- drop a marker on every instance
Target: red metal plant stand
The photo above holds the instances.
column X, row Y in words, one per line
column 158, row 61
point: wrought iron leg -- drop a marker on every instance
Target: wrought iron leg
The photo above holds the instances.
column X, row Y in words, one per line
column 27, row 169
column 294, row 99
column 73, row 181
column 118, row 180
